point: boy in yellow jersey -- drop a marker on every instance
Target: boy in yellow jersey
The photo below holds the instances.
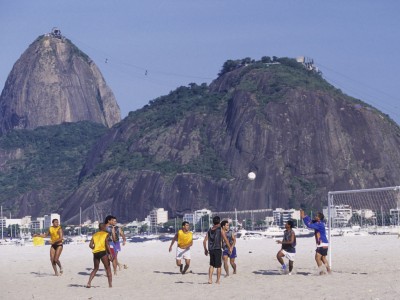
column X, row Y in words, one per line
column 56, row 240
column 101, row 251
column 185, row 241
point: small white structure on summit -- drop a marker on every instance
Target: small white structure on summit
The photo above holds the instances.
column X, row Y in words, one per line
column 308, row 63
column 55, row 33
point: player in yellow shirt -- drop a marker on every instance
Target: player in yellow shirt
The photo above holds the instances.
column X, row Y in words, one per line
column 56, row 240
column 185, row 241
column 101, row 251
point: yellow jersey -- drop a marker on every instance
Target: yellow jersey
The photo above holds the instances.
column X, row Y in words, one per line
column 184, row 239
column 99, row 240
column 54, row 235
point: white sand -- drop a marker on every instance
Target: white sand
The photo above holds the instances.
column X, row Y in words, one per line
column 364, row 268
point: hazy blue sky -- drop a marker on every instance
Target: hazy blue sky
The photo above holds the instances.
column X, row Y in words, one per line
column 356, row 44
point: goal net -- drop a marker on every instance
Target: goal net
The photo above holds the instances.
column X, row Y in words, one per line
column 363, row 212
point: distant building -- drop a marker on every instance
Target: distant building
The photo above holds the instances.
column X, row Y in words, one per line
column 340, row 215
column 395, row 216
column 194, row 218
column 36, row 225
column 161, row 215
column 26, row 221
column 90, row 224
column 2, row 222
column 49, row 218
column 189, row 218
column 269, row 220
column 308, row 63
column 157, row 216
column 365, row 213
column 281, row 216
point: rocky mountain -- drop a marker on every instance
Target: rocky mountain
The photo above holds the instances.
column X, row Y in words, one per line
column 39, row 167
column 194, row 147
column 55, row 82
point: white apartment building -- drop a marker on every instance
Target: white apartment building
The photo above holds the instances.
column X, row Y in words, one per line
column 281, row 216
column 157, row 216
column 194, row 218
column 49, row 218
column 340, row 215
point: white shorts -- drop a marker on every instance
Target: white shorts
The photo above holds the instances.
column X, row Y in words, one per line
column 288, row 255
column 182, row 253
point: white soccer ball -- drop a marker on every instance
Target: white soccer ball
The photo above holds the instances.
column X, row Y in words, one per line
column 251, row 175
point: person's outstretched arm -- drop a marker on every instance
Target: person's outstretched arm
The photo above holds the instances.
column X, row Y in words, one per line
column 174, row 239
column 43, row 235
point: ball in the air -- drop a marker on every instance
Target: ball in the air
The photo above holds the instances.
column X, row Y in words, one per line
column 251, row 175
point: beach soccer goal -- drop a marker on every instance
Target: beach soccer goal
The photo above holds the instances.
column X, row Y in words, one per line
column 362, row 212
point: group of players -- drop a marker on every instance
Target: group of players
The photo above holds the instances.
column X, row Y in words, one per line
column 105, row 247
column 219, row 244
column 288, row 242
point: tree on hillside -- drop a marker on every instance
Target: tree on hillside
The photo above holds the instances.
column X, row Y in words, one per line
column 229, row 66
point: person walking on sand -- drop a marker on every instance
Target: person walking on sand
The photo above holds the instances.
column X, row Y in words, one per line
column 214, row 237
column 112, row 238
column 117, row 244
column 321, row 240
column 288, row 249
column 56, row 240
column 184, row 237
column 230, row 235
column 101, row 251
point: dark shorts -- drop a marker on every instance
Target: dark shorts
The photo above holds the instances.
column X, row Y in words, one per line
column 216, row 258
column 99, row 255
column 322, row 251
column 55, row 246
column 232, row 255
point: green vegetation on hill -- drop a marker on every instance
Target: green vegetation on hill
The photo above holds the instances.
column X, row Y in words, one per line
column 283, row 73
column 167, row 111
column 49, row 157
column 164, row 112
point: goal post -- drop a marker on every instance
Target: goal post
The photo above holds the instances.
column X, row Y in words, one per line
column 362, row 212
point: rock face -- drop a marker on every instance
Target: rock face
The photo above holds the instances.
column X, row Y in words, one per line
column 54, row 82
column 193, row 149
column 301, row 136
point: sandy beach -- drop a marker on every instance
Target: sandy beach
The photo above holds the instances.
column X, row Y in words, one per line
column 364, row 267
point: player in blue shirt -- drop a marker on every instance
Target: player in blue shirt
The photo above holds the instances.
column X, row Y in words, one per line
column 318, row 224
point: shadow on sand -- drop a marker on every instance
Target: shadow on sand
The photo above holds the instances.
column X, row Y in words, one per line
column 80, row 285
column 39, row 274
column 177, row 273
column 167, row 273
column 276, row 272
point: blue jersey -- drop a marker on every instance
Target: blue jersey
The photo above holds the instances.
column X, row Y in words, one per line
column 319, row 231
